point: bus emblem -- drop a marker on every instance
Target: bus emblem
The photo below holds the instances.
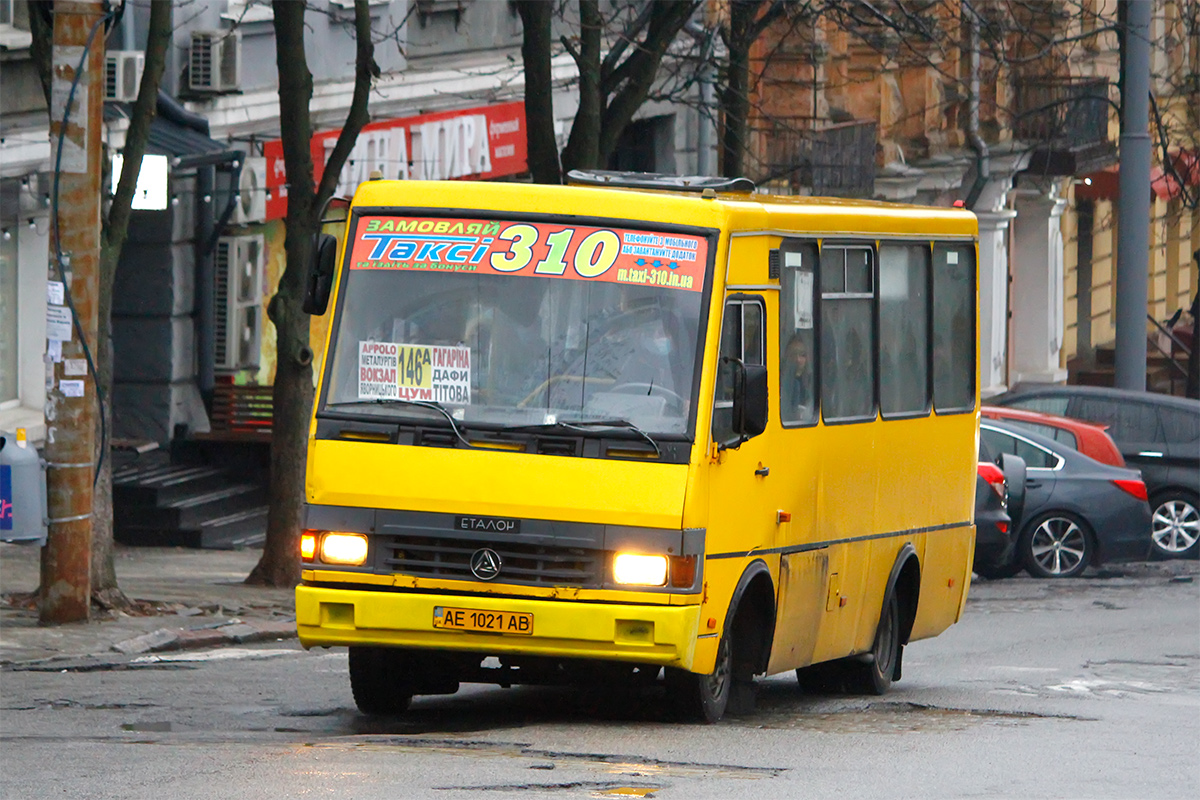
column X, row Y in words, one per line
column 485, row 564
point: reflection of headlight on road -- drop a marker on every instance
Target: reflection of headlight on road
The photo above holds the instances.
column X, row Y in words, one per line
column 630, row 568
column 344, row 548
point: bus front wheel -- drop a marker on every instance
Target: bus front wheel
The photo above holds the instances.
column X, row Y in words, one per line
column 379, row 679
column 703, row 698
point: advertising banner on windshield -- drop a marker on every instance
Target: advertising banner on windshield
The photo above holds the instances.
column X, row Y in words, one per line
column 531, row 249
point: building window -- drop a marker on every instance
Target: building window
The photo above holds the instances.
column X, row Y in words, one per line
column 245, row 11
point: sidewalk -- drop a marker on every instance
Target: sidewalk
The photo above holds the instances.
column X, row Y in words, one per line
column 188, row 598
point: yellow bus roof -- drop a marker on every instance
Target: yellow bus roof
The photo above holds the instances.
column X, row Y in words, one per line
column 756, row 212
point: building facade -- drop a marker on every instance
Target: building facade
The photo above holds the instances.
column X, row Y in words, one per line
column 1010, row 109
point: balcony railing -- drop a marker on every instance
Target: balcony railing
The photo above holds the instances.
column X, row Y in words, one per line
column 1065, row 121
column 831, row 159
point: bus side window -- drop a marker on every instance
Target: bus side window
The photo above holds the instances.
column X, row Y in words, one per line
column 847, row 333
column 903, row 329
column 741, row 339
column 953, row 327
column 798, row 378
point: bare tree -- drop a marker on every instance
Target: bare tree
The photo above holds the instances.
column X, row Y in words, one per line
column 613, row 85
column 293, row 389
column 115, row 227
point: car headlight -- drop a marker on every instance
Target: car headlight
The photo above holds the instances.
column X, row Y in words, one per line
column 349, row 549
column 641, row 570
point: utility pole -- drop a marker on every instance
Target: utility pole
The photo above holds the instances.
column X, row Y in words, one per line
column 1133, row 215
column 78, row 101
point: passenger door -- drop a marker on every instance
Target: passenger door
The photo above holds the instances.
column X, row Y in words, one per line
column 741, row 504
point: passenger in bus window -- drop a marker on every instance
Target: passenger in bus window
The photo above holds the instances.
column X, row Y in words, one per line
column 796, row 381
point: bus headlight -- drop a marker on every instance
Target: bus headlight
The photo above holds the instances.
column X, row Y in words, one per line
column 631, row 568
column 308, row 545
column 349, row 549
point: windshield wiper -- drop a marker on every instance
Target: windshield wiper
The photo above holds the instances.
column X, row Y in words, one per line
column 432, row 405
column 583, row 425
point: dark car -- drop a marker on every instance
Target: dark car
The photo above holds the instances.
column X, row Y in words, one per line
column 999, row 497
column 1158, row 434
column 1078, row 512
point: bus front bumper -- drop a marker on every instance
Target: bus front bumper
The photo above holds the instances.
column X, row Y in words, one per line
column 645, row 634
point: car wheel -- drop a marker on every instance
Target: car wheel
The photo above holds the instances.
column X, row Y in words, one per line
column 1175, row 525
column 379, row 680
column 1056, row 545
column 703, row 698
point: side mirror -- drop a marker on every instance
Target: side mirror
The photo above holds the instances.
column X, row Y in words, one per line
column 320, row 274
column 1013, row 467
column 749, row 400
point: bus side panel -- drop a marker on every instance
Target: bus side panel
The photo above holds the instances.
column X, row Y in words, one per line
column 946, row 568
column 944, row 579
column 802, row 580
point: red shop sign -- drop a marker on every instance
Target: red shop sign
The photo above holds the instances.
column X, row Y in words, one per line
column 479, row 143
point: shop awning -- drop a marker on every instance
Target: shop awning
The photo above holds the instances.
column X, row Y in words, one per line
column 1165, row 184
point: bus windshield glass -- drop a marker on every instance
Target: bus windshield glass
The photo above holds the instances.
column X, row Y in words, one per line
column 512, row 324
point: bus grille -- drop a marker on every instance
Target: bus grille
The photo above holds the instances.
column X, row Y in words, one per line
column 529, row 564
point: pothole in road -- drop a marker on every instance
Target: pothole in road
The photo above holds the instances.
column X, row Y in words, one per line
column 602, row 789
column 891, row 717
column 614, row 763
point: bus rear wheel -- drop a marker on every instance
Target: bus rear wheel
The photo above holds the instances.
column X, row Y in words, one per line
column 874, row 676
column 703, row 698
column 380, row 680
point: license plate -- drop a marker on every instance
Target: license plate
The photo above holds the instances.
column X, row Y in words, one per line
column 470, row 619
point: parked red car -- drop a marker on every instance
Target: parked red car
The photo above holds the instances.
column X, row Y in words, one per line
column 1088, row 438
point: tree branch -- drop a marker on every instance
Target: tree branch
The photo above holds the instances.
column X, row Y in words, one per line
column 365, row 70
column 145, row 108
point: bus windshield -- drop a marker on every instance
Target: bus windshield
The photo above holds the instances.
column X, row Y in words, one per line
column 515, row 323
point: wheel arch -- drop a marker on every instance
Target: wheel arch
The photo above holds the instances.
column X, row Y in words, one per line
column 905, row 581
column 754, row 595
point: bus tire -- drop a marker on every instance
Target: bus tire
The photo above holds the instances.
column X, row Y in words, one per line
column 378, row 680
column 874, row 674
column 703, row 698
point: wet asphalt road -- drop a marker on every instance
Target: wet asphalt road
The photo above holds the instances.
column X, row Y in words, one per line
column 1084, row 688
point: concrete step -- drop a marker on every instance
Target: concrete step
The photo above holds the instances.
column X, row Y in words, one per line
column 193, row 510
column 245, row 528
column 160, row 485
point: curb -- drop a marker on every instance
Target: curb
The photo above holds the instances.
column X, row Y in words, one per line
column 166, row 639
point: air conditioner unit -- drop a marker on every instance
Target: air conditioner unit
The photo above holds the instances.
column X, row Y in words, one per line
column 252, row 192
column 215, row 61
column 123, row 74
column 238, row 302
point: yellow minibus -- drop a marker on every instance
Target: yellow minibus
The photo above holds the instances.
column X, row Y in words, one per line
column 650, row 428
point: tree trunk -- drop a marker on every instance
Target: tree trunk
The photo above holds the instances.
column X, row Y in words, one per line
column 539, row 91
column 293, row 390
column 104, row 577
column 583, row 148
column 735, row 97
column 629, row 84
